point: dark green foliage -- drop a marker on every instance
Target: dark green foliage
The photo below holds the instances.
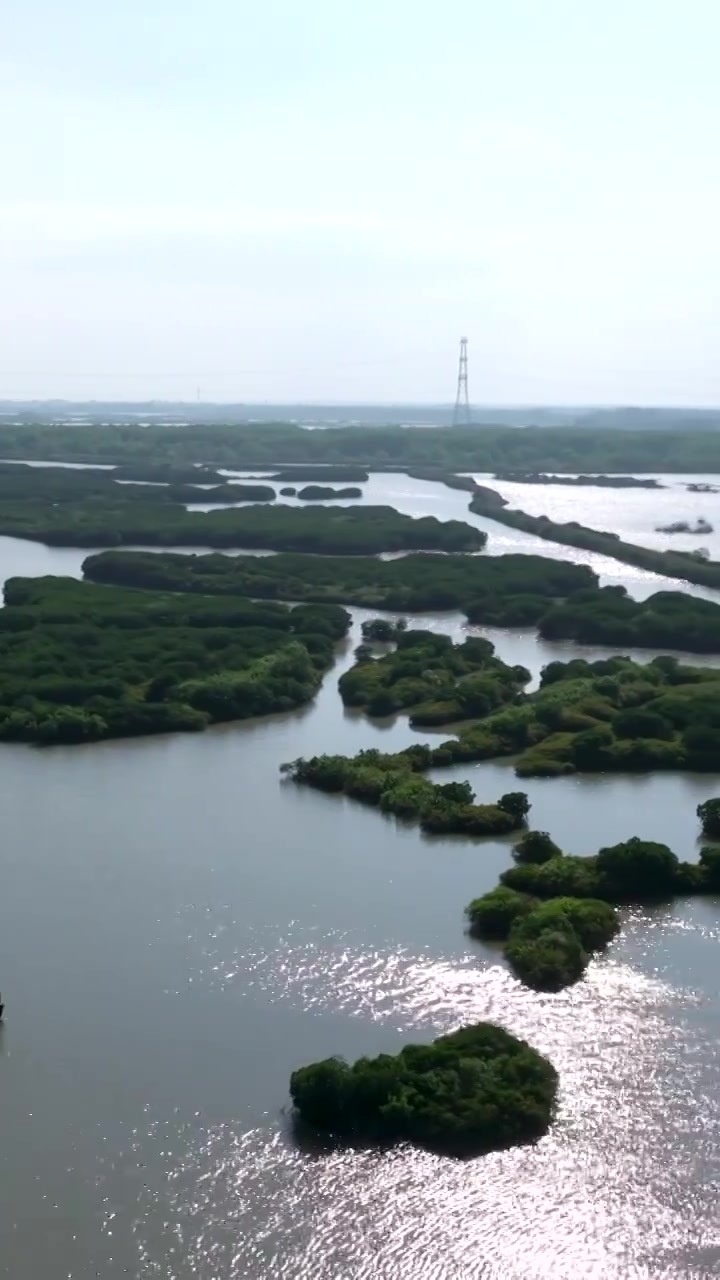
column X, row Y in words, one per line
column 638, row 722
column 383, row 630
column 335, row 475
column 167, row 473
column 548, row 943
column 441, row 809
column 709, row 814
column 580, row 716
column 132, row 517
column 537, row 847
column 563, row 877
column 288, row 492
column 492, row 916
column 593, row 447
column 545, row 952
column 23, row 487
column 412, row 583
column 322, row 493
column 475, row 1090
column 637, row 871
column 516, row 804
column 442, row 681
column 79, row 663
column 592, row 482
column 668, row 619
column 710, row 867
column 595, row 922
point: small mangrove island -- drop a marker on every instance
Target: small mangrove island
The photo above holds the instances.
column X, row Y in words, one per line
column 323, row 493
column 596, row 482
column 475, row 1090
column 554, row 911
column 682, row 526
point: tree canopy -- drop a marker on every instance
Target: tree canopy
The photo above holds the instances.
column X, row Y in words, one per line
column 473, row 1091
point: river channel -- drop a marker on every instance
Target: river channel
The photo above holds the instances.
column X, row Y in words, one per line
column 181, row 928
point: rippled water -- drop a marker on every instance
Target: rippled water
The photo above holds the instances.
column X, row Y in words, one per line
column 633, row 514
column 180, row 929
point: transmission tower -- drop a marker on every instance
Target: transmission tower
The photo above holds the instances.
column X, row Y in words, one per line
column 461, row 414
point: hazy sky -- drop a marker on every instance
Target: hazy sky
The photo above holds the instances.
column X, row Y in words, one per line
column 314, row 200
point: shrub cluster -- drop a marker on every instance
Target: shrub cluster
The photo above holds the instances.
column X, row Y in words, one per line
column 475, row 1090
column 553, row 913
column 394, row 784
column 439, row 680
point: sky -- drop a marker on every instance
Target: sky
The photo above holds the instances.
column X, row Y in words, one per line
column 286, row 201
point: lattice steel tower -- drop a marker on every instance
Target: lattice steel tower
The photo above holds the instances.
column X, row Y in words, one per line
column 461, row 414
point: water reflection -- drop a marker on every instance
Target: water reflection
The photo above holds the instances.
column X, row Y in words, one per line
column 598, row 1197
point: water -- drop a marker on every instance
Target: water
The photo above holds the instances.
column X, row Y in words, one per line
column 633, row 514
column 180, row 929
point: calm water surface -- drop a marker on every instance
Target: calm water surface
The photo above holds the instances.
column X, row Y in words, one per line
column 180, row 929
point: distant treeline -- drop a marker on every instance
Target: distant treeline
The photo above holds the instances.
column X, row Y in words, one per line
column 270, row 445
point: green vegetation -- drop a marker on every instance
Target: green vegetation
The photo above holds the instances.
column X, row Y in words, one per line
column 613, row 715
column 668, row 619
column 414, row 583
column 594, row 447
column 383, row 630
column 80, row 663
column 709, row 814
column 562, row 600
column 634, row 871
column 594, row 482
column 224, row 493
column 323, row 493
column 672, row 564
column 439, row 680
column 166, row 473
column 478, row 1089
column 552, row 915
column 394, row 784
column 336, row 475
column 536, row 847
column 344, row 530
